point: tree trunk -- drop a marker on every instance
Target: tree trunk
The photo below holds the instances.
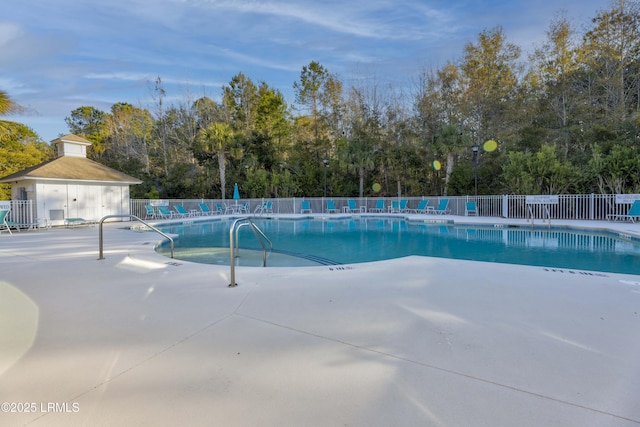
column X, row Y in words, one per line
column 449, row 170
column 223, row 178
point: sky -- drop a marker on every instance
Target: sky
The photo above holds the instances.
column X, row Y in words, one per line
column 56, row 56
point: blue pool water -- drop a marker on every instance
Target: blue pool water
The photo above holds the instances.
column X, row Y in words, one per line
column 305, row 242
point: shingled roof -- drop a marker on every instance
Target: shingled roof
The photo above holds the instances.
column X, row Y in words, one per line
column 71, row 168
column 77, row 168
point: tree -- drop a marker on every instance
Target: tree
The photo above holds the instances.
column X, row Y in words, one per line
column 556, row 65
column 272, row 129
column 240, row 100
column 92, row 124
column 160, row 94
column 437, row 112
column 616, row 171
column 320, row 92
column 20, row 148
column 489, row 80
column 610, row 51
column 130, row 132
column 217, row 140
column 538, row 173
column 357, row 154
column 7, row 105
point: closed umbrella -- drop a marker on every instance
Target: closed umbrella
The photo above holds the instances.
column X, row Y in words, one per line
column 236, row 193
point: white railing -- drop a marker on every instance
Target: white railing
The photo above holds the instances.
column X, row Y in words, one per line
column 22, row 213
column 569, row 206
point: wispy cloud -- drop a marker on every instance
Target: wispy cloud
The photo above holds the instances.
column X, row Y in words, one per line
column 369, row 19
column 57, row 56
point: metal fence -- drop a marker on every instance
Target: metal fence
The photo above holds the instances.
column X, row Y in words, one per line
column 568, row 206
column 565, row 206
column 21, row 213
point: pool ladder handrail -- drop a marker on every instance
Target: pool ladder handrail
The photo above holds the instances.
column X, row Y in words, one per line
column 532, row 216
column 100, row 240
column 234, row 246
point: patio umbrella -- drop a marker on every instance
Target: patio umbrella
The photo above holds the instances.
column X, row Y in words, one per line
column 236, row 193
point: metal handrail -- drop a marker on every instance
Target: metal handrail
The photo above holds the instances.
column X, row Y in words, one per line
column 234, row 248
column 100, row 240
column 546, row 208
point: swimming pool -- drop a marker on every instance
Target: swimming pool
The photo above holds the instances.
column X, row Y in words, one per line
column 313, row 242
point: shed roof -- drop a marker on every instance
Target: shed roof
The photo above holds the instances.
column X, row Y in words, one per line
column 71, row 168
column 71, row 138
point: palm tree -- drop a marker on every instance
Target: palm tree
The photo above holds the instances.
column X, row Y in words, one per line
column 450, row 142
column 217, row 139
column 358, row 154
column 6, row 104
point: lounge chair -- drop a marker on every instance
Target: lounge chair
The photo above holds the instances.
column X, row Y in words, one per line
column 352, row 207
column 443, row 207
column 243, row 208
column 260, row 208
column 164, row 212
column 379, row 206
column 470, row 209
column 399, row 206
column 220, row 209
column 331, row 206
column 181, row 211
column 151, row 212
column 305, row 207
column 204, row 209
column 230, row 209
column 265, row 207
column 632, row 215
column 4, row 224
column 423, row 206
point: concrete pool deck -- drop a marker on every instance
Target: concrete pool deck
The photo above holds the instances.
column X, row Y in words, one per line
column 141, row 340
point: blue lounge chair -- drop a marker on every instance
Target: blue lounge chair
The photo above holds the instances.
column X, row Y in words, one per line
column 260, row 208
column 305, row 207
column 243, row 208
column 220, row 209
column 399, row 206
column 151, row 212
column 422, row 206
column 6, row 225
column 331, row 206
column 164, row 212
column 204, row 209
column 265, row 207
column 470, row 209
column 632, row 215
column 379, row 206
column 181, row 211
column 443, row 207
column 353, row 207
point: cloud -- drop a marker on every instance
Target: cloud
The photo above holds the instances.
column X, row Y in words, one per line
column 368, row 19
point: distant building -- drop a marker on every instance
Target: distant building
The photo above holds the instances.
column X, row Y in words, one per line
column 71, row 186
